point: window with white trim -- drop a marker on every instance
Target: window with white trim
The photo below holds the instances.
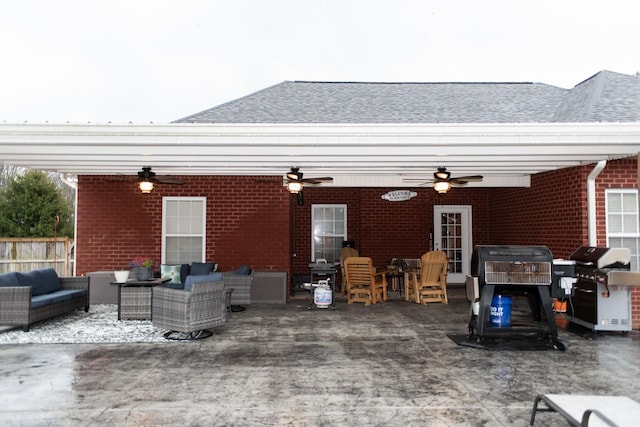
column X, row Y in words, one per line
column 623, row 230
column 328, row 231
column 183, row 229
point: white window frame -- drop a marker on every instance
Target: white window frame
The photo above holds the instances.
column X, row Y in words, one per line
column 313, row 221
column 203, row 234
column 625, row 235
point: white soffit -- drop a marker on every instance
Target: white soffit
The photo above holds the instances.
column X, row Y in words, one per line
column 363, row 155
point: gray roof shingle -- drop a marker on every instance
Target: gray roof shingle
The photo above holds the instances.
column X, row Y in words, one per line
column 606, row 96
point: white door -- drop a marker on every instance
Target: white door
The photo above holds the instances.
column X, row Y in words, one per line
column 452, row 234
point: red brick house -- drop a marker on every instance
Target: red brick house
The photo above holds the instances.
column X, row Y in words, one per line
column 558, row 164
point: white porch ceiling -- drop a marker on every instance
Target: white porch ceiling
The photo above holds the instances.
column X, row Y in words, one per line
column 367, row 155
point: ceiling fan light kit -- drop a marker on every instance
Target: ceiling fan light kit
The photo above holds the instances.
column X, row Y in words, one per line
column 294, row 187
column 146, row 187
column 442, row 187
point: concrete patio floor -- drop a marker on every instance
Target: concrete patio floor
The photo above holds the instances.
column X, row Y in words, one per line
column 389, row 364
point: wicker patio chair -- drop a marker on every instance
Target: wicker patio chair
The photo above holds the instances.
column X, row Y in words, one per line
column 191, row 314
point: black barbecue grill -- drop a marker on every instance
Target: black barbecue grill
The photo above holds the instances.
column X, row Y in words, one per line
column 516, row 270
column 601, row 298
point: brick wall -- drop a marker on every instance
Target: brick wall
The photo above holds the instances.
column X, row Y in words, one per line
column 247, row 222
column 381, row 229
column 552, row 212
column 617, row 174
column 256, row 222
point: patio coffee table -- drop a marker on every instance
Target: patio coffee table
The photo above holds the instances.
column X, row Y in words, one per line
column 135, row 298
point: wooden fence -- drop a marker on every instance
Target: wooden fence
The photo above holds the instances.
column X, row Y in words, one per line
column 26, row 254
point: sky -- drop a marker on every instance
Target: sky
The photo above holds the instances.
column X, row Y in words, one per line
column 156, row 61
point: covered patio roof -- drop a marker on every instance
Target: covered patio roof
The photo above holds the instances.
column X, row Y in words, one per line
column 362, row 155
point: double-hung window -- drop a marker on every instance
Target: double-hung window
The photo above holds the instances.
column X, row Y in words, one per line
column 183, row 229
column 623, row 230
column 329, row 231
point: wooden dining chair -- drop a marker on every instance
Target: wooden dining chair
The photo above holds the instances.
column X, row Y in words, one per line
column 344, row 254
column 363, row 283
column 432, row 283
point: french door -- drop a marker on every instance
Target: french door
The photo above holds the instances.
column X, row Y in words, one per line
column 452, row 234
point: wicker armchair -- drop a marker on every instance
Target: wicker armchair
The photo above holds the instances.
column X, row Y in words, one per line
column 241, row 283
column 190, row 314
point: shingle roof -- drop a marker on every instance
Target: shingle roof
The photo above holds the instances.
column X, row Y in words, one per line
column 606, row 96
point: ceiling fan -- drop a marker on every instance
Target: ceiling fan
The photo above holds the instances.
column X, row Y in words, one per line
column 295, row 182
column 442, row 180
column 147, row 178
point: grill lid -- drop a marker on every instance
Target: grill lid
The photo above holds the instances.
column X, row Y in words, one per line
column 522, row 265
column 600, row 257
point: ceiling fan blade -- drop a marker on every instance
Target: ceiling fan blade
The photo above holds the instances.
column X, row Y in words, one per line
column 314, row 181
column 167, row 179
column 121, row 178
column 421, row 180
column 465, row 179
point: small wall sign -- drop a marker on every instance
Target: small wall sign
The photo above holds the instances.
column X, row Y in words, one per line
column 399, row 195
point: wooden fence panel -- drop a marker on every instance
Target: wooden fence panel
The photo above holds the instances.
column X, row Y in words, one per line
column 26, row 254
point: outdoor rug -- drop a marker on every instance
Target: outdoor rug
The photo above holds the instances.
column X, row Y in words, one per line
column 99, row 325
column 507, row 342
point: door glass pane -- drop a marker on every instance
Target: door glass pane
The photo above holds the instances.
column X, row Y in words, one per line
column 452, row 240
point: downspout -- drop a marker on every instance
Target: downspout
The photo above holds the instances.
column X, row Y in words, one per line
column 591, row 202
column 72, row 182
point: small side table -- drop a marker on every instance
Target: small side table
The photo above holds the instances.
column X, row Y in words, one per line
column 135, row 298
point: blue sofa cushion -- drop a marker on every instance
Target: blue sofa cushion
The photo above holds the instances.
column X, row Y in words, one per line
column 56, row 297
column 201, row 268
column 9, row 280
column 213, row 277
column 42, row 281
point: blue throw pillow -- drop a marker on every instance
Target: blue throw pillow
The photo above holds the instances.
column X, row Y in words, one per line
column 200, row 268
column 213, row 277
column 9, row 280
column 185, row 270
column 243, row 270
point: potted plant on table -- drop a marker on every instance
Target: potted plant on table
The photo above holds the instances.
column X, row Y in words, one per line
column 142, row 268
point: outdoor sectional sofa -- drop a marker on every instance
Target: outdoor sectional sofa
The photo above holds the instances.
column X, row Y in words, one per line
column 27, row 298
